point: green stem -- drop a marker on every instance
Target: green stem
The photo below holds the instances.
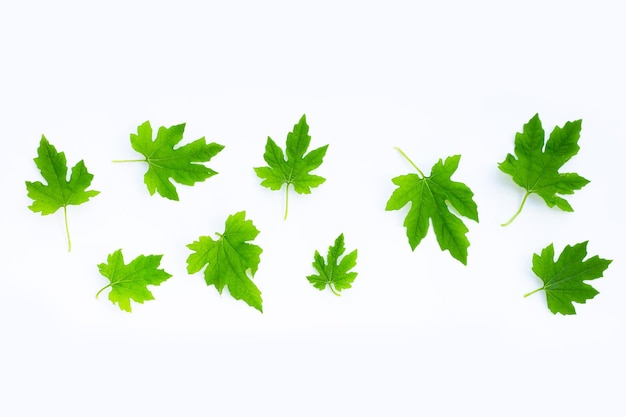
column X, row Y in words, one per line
column 333, row 290
column 286, row 201
column 103, row 288
column 518, row 210
column 67, row 230
column 129, row 160
column 532, row 292
column 409, row 159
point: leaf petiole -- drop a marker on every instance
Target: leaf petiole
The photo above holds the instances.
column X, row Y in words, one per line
column 67, row 230
column 532, row 292
column 330, row 285
column 286, row 201
column 518, row 210
column 409, row 159
column 103, row 288
column 129, row 160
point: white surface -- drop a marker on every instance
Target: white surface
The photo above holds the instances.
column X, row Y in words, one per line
column 419, row 333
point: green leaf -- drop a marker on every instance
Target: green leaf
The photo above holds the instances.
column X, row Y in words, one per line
column 182, row 165
column 130, row 282
column 563, row 280
column 429, row 197
column 230, row 261
column 334, row 273
column 58, row 192
column 295, row 170
column 537, row 169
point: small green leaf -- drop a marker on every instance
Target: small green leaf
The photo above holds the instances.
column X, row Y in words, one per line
column 563, row 280
column 58, row 192
column 537, row 169
column 130, row 282
column 230, row 260
column 332, row 272
column 295, row 170
column 182, row 165
column 429, row 197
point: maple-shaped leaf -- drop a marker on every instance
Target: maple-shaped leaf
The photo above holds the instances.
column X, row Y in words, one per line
column 58, row 192
column 332, row 272
column 295, row 170
column 563, row 280
column 230, row 260
column 130, row 282
column 182, row 164
column 537, row 169
column 429, row 197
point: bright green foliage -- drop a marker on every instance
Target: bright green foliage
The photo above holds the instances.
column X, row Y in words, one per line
column 230, row 260
column 58, row 192
column 429, row 197
column 130, row 282
column 537, row 169
column 563, row 280
column 334, row 273
column 295, row 169
column 164, row 162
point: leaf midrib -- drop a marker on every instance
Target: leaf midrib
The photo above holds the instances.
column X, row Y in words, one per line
column 544, row 167
column 551, row 282
column 245, row 276
column 439, row 211
column 57, row 177
column 123, row 279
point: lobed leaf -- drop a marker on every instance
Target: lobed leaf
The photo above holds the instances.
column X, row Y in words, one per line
column 58, row 192
column 536, row 169
column 334, row 273
column 230, row 261
column 563, row 280
column 429, row 197
column 130, row 282
column 183, row 164
column 295, row 170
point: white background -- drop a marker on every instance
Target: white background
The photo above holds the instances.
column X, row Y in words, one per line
column 419, row 333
